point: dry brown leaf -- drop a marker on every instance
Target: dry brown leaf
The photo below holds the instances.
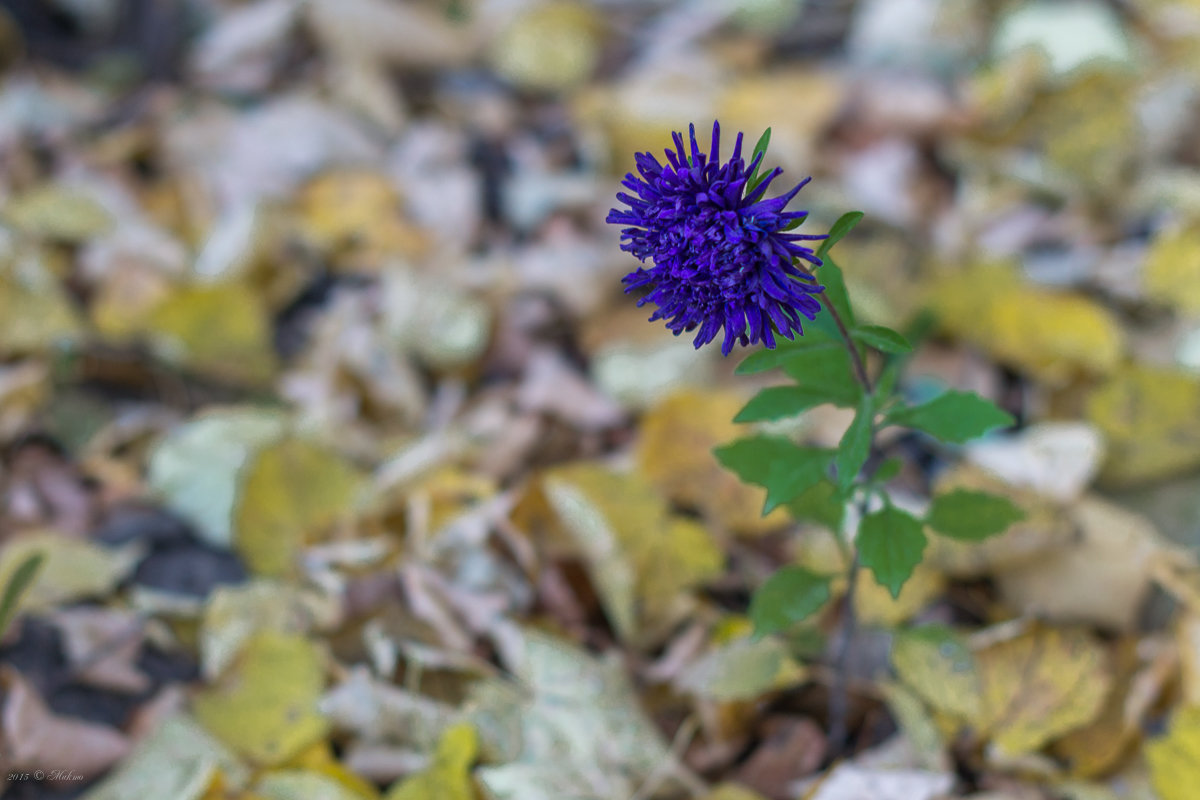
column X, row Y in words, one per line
column 35, row 738
column 1102, row 576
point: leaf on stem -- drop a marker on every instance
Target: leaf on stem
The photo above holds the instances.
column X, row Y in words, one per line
column 954, row 417
column 778, row 402
column 783, row 468
column 843, row 226
column 791, row 595
column 855, row 445
column 890, row 543
column 764, row 360
column 760, row 148
column 971, row 516
column 882, row 339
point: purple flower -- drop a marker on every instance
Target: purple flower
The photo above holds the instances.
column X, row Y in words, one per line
column 720, row 257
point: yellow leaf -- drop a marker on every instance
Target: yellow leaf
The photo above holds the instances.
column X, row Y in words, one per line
column 265, row 706
column 674, row 452
column 642, row 559
column 222, row 330
column 449, row 777
column 731, row 791
column 34, row 311
column 1150, row 418
column 552, row 45
column 1172, row 270
column 290, row 491
column 1020, row 691
column 294, row 784
column 357, row 213
column 319, row 759
column 73, row 569
column 1051, row 334
column 58, row 212
column 1175, row 759
column 940, row 668
column 1099, row 747
column 875, row 603
column 744, row 669
column 1039, row 685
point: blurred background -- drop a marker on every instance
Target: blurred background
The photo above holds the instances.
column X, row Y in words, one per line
column 321, row 400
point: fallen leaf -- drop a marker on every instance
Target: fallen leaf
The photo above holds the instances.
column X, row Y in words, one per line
column 195, row 468
column 1175, row 759
column 181, row 330
column 743, row 669
column 1019, row 691
column 1150, row 418
column 852, row 781
column 113, row 634
column 354, row 215
column 449, row 776
column 57, row 211
column 574, row 728
column 1052, row 334
column 1101, row 577
column 73, row 570
column 294, row 784
column 642, row 559
column 35, row 314
column 1055, row 459
column 36, row 738
column 179, row 760
column 233, row 614
column 1040, row 684
column 549, row 45
column 1171, row 273
column 265, row 706
column 290, row 491
column 674, row 451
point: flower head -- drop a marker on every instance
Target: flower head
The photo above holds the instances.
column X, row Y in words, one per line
column 720, row 257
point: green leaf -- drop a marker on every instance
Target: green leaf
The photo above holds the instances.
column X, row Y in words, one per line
column 882, row 339
column 954, row 417
column 820, row 504
column 760, row 146
column 777, row 402
column 843, row 226
column 828, row 371
column 972, row 516
column 890, row 544
column 783, row 468
column 22, row 578
column 855, row 445
column 885, row 385
column 790, row 595
column 766, row 359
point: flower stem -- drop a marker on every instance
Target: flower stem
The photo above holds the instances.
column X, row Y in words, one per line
column 860, row 368
column 839, row 691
